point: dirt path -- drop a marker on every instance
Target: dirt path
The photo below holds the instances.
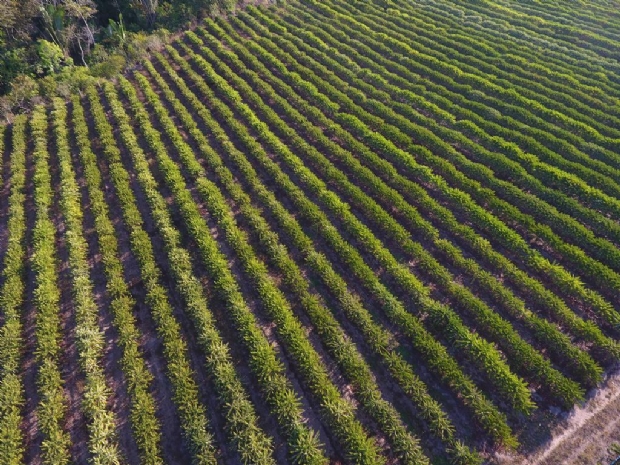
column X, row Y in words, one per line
column 585, row 437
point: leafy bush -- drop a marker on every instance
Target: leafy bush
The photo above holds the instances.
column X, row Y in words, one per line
column 110, row 68
column 19, row 99
column 51, row 57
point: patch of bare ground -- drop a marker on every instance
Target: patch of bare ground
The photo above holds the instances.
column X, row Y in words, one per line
column 267, row 420
column 174, row 448
column 584, row 436
column 75, row 421
column 245, row 3
column 32, row 435
column 119, row 401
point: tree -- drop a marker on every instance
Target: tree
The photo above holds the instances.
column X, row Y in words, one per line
column 148, row 9
column 50, row 56
column 66, row 22
column 16, row 19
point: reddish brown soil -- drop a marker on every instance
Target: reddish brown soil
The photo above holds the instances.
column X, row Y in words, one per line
column 75, row 422
column 174, row 450
column 293, row 209
column 32, row 435
column 266, row 419
column 344, row 389
column 249, row 294
column 119, row 399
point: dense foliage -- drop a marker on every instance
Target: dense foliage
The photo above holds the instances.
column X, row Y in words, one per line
column 369, row 232
column 41, row 38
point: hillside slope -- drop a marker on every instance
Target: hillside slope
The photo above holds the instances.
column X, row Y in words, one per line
column 345, row 232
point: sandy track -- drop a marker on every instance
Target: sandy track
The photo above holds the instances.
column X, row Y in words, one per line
column 585, row 436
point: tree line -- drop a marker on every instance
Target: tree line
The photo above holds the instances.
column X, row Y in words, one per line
column 39, row 38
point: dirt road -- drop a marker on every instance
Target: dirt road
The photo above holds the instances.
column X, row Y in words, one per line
column 586, row 437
